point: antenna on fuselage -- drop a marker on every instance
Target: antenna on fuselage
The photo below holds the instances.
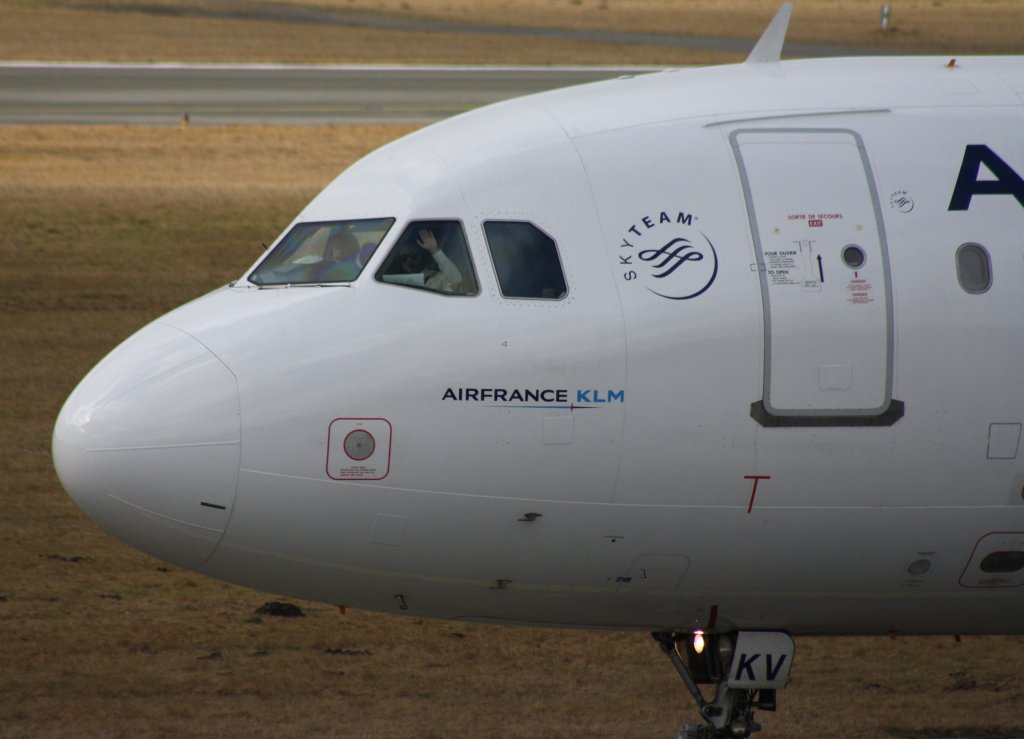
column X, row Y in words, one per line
column 769, row 47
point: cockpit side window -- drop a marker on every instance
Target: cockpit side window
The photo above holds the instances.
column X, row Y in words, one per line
column 525, row 261
column 431, row 255
column 323, row 252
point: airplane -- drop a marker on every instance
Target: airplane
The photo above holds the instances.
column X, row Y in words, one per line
column 722, row 354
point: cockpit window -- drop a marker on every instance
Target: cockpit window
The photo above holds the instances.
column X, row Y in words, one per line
column 431, row 255
column 525, row 260
column 315, row 253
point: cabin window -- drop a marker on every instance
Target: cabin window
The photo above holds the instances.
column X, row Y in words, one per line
column 973, row 268
column 431, row 255
column 525, row 260
column 323, row 252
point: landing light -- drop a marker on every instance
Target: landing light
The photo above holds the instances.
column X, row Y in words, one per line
column 698, row 641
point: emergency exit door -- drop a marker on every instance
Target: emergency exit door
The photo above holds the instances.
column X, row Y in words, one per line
column 824, row 273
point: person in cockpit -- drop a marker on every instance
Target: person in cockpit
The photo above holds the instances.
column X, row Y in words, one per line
column 422, row 262
column 341, row 262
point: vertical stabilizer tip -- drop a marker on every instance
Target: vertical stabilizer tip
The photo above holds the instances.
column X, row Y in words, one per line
column 769, row 47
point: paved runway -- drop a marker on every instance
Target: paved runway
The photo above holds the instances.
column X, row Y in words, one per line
column 160, row 94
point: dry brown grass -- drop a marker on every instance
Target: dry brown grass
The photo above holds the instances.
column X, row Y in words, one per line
column 119, row 30
column 935, row 25
column 106, row 228
column 92, row 30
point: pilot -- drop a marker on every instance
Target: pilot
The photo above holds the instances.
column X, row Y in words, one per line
column 341, row 263
column 425, row 257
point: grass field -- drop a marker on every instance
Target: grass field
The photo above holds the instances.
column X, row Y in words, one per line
column 106, row 228
column 236, row 30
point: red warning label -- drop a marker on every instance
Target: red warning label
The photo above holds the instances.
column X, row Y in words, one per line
column 859, row 292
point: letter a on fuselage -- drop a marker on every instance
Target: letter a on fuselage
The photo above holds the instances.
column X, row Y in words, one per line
column 1006, row 182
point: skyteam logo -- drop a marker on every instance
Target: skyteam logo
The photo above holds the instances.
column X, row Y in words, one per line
column 668, row 256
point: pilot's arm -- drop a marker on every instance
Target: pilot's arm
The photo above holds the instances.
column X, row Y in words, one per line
column 449, row 271
column 451, row 274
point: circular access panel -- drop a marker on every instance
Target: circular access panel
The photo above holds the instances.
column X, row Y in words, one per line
column 854, row 256
column 359, row 445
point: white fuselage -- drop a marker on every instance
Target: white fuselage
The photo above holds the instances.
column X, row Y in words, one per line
column 592, row 460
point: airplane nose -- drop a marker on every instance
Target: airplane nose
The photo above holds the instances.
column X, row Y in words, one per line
column 148, row 445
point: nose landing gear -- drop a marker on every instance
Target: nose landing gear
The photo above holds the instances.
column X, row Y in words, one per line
column 746, row 668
